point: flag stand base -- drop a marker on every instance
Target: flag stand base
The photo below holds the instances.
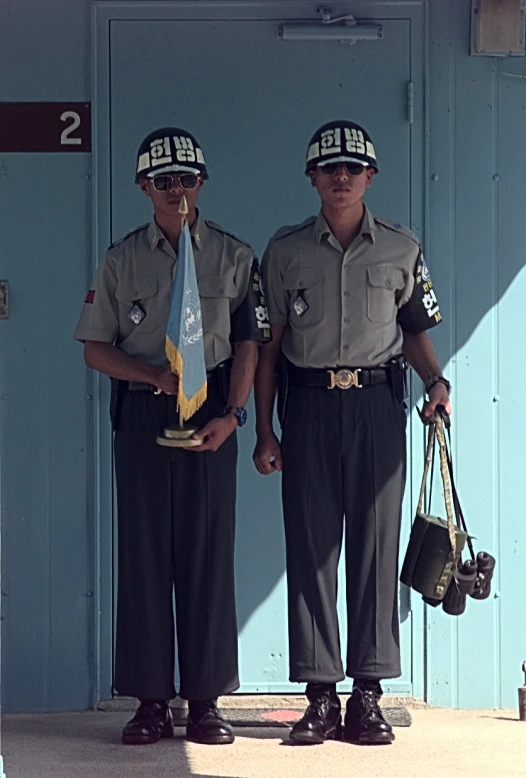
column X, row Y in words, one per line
column 179, row 437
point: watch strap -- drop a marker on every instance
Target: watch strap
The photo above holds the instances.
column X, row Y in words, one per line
column 437, row 379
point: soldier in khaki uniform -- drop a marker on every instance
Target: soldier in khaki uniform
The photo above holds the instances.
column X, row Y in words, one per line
column 349, row 298
column 176, row 508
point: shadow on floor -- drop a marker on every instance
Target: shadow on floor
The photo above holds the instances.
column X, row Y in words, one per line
column 87, row 745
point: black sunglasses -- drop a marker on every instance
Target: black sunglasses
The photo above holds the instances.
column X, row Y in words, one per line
column 165, row 181
column 352, row 168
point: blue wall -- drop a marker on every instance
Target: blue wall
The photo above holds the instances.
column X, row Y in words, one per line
column 45, row 247
column 473, row 186
column 477, row 239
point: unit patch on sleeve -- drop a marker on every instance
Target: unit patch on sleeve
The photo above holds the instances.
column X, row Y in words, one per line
column 421, row 312
column 90, row 296
column 250, row 321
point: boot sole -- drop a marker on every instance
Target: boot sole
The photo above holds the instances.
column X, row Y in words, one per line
column 311, row 739
column 219, row 740
column 146, row 740
column 381, row 739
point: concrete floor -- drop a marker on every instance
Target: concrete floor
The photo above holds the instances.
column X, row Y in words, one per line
column 439, row 744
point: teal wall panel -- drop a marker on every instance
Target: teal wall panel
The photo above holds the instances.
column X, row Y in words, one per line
column 467, row 197
column 510, row 376
column 476, row 249
column 467, row 159
column 45, row 51
column 47, row 547
column 45, row 248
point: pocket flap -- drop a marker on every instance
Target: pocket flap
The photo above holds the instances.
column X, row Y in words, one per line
column 216, row 286
column 386, row 277
column 136, row 289
column 308, row 278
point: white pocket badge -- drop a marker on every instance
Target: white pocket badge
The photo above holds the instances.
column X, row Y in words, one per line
column 136, row 314
column 300, row 306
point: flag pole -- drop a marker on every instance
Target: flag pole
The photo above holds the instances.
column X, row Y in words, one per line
column 183, row 210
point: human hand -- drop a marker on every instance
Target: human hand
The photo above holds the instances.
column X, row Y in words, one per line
column 165, row 380
column 438, row 395
column 267, row 454
column 215, row 433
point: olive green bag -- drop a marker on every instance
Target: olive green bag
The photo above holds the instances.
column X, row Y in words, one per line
column 435, row 544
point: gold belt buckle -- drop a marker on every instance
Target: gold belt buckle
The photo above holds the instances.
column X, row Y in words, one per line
column 345, row 379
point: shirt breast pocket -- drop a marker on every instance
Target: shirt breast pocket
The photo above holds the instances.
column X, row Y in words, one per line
column 383, row 285
column 305, row 289
column 217, row 294
column 141, row 292
column 217, row 286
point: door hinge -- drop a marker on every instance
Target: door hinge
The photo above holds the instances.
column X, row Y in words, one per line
column 410, row 102
column 4, row 300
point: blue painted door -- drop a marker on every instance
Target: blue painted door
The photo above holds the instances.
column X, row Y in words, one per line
column 252, row 100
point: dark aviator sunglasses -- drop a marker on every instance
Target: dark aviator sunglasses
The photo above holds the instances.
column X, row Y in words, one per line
column 165, row 181
column 352, row 168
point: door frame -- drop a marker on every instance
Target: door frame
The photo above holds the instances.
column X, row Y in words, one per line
column 103, row 13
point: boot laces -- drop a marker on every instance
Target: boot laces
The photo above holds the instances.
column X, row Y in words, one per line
column 370, row 702
column 319, row 705
column 202, row 707
column 151, row 707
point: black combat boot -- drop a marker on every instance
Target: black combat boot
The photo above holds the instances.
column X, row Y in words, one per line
column 152, row 721
column 364, row 721
column 322, row 720
column 206, row 724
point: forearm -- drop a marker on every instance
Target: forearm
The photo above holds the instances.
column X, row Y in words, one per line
column 110, row 360
column 243, row 370
column 265, row 387
column 419, row 352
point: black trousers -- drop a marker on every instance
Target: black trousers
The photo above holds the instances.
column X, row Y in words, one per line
column 344, row 455
column 176, row 525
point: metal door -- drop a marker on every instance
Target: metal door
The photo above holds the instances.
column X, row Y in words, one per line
column 253, row 99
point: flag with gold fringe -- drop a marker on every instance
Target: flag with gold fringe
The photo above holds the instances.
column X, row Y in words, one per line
column 184, row 331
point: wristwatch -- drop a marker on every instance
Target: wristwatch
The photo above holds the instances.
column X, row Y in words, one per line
column 239, row 413
column 436, row 379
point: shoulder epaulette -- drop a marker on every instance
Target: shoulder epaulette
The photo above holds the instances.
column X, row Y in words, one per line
column 128, row 234
column 397, row 227
column 289, row 230
column 218, row 227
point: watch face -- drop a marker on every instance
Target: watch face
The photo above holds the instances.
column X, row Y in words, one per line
column 241, row 415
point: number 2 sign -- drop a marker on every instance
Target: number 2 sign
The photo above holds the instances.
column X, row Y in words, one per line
column 45, row 127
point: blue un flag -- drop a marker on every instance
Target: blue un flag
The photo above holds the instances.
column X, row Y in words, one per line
column 184, row 331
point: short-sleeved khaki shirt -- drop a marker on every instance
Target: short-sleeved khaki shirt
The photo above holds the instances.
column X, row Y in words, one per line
column 343, row 308
column 140, row 270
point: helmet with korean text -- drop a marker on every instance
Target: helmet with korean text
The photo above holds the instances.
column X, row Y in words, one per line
column 170, row 150
column 340, row 141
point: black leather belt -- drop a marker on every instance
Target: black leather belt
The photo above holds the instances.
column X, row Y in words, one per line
column 137, row 386
column 338, row 377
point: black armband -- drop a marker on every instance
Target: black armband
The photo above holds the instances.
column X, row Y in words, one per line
column 421, row 312
column 250, row 320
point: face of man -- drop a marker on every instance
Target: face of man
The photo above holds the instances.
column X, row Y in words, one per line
column 340, row 188
column 166, row 201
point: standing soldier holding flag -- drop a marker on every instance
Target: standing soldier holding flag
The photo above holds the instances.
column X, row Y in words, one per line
column 174, row 316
